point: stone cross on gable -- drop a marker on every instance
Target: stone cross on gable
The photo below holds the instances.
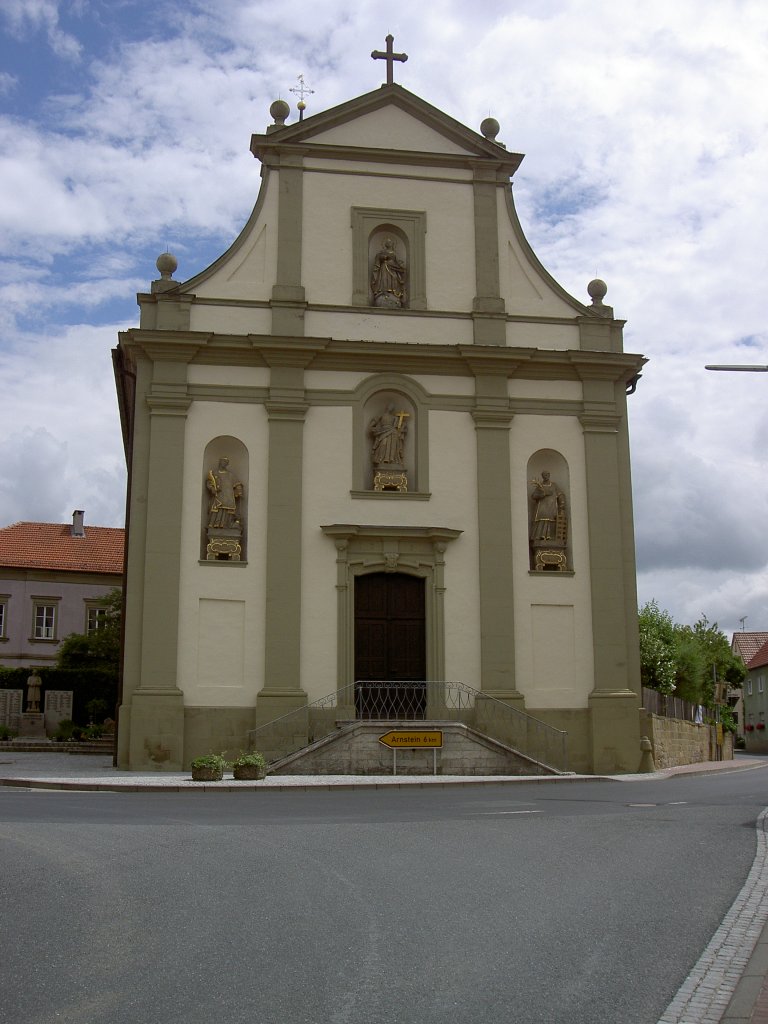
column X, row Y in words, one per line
column 390, row 57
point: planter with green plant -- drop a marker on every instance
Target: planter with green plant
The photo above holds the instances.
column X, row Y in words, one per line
column 209, row 768
column 249, row 766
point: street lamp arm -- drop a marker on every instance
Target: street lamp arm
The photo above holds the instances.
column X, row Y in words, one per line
column 737, row 366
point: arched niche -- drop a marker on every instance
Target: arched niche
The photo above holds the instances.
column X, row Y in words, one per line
column 390, row 422
column 549, row 512
column 224, row 501
column 407, row 229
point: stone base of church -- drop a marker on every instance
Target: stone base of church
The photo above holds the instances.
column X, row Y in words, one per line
column 152, row 731
column 157, row 733
column 615, row 732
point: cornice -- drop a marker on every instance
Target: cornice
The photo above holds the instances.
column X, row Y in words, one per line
column 383, row 356
column 348, row 531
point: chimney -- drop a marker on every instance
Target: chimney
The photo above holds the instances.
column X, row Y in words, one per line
column 78, row 530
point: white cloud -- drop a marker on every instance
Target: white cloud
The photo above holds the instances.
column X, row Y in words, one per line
column 25, row 16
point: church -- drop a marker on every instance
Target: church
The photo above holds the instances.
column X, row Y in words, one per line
column 376, row 441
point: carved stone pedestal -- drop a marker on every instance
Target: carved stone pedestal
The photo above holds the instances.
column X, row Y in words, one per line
column 223, row 545
column 388, row 481
column 550, row 558
column 32, row 725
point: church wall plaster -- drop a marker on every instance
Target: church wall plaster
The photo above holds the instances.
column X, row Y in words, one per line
column 379, row 127
column 203, row 581
column 228, row 376
column 556, row 442
column 227, row 319
column 525, row 284
column 533, row 335
column 383, row 325
column 247, row 270
column 448, row 208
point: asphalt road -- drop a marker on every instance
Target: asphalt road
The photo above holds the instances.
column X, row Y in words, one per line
column 564, row 903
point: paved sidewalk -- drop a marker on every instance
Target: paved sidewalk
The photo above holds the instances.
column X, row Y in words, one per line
column 728, row 985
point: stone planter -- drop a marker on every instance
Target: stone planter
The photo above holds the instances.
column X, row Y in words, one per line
column 207, row 774
column 248, row 772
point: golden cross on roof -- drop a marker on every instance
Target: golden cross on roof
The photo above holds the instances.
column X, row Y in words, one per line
column 390, row 57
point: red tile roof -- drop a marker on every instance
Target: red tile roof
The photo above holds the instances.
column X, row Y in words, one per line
column 759, row 659
column 52, row 546
column 748, row 644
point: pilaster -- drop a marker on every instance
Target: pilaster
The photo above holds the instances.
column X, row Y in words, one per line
column 288, row 298
column 488, row 310
column 286, row 411
column 497, row 632
column 606, row 513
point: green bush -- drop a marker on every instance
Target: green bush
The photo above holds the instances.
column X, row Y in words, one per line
column 253, row 759
column 217, row 762
column 6, row 733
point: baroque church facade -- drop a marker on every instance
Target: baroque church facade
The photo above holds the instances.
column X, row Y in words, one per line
column 376, row 440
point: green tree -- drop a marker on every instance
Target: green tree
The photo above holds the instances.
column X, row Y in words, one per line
column 685, row 660
column 100, row 649
column 657, row 648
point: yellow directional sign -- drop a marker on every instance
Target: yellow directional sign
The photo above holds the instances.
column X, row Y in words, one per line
column 412, row 738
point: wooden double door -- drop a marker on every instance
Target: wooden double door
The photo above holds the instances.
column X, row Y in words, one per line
column 390, row 645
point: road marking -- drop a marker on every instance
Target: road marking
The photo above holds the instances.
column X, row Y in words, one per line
column 642, row 805
column 496, row 813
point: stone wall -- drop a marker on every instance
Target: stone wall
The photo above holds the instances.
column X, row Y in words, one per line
column 355, row 750
column 678, row 742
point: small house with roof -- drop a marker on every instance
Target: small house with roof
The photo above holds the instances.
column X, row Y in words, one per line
column 745, row 644
column 53, row 581
column 756, row 700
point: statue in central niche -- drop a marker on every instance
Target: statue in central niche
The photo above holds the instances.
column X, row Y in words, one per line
column 388, row 277
column 388, row 433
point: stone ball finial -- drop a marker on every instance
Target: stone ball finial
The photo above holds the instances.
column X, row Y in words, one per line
column 279, row 111
column 166, row 263
column 597, row 291
column 490, row 128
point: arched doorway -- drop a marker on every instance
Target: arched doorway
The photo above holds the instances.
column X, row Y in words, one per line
column 390, row 645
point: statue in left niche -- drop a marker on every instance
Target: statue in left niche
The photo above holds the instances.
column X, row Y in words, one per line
column 225, row 528
column 388, row 277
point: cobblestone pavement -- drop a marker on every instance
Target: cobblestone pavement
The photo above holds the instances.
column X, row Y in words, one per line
column 728, row 984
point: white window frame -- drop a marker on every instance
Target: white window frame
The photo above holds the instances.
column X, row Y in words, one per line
column 3, row 617
column 98, row 614
column 760, row 683
column 41, row 629
column 749, row 687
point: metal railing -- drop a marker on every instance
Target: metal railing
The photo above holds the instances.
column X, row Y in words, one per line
column 669, row 707
column 397, row 701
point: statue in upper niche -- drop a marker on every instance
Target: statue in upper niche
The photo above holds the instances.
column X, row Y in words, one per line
column 388, row 277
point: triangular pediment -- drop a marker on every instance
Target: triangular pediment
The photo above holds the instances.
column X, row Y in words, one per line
column 390, row 118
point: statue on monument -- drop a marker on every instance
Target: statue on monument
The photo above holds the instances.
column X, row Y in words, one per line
column 549, row 524
column 226, row 492
column 34, row 682
column 388, row 277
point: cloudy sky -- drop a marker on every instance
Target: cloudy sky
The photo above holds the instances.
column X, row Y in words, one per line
column 125, row 125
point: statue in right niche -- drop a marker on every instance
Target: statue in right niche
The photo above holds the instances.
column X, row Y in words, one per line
column 225, row 527
column 388, row 277
column 549, row 525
